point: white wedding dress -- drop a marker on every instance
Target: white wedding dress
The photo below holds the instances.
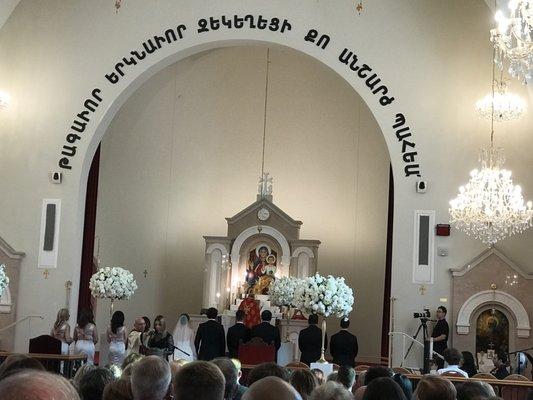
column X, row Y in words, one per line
column 183, row 338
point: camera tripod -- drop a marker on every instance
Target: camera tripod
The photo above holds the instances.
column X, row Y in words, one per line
column 424, row 328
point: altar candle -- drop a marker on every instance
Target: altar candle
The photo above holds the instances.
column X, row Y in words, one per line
column 431, row 348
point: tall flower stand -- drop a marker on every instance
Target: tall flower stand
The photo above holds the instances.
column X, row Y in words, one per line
column 322, row 364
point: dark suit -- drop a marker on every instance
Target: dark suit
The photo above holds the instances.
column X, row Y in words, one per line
column 343, row 348
column 210, row 341
column 238, row 333
column 267, row 332
column 310, row 344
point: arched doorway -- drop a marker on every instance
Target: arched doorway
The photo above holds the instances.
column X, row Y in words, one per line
column 492, row 331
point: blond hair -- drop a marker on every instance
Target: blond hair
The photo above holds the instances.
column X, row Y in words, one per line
column 62, row 316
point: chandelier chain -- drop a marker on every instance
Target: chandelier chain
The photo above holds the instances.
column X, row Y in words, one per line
column 265, row 112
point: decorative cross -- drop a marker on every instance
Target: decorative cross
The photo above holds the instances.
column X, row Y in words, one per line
column 359, row 7
column 68, row 286
column 265, row 184
column 145, row 272
column 46, row 273
column 422, row 290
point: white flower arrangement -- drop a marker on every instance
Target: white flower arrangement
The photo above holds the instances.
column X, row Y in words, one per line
column 4, row 279
column 282, row 291
column 324, row 296
column 112, row 283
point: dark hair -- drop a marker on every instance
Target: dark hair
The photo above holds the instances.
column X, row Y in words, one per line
column 199, row 380
column 473, row 390
column 117, row 320
column 229, row 370
column 147, row 324
column 93, row 383
column 443, row 309
column 404, row 383
column 452, row 356
column 469, row 365
column 86, row 316
column 212, row 313
column 383, row 389
column 304, row 381
column 313, row 319
column 346, row 376
column 262, row 248
column 376, row 372
column 266, row 315
column 162, row 322
column 267, row 369
column 118, row 390
column 239, row 315
column 345, row 323
column 432, row 387
column 18, row 362
column 502, row 356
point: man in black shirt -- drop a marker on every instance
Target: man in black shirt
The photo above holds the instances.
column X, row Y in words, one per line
column 310, row 341
column 440, row 335
column 343, row 346
column 266, row 331
column 238, row 333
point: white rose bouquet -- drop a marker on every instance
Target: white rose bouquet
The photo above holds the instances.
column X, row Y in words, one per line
column 282, row 291
column 4, row 279
column 324, row 296
column 112, row 283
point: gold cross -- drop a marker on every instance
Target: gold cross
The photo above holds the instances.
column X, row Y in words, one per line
column 359, row 7
column 422, row 290
column 46, row 273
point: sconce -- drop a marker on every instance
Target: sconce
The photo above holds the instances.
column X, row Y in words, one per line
column 5, row 98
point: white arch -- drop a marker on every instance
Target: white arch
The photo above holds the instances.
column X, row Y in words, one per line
column 214, row 246
column 265, row 230
column 490, row 297
column 302, row 249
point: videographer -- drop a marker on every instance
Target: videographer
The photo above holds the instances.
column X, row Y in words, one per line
column 440, row 335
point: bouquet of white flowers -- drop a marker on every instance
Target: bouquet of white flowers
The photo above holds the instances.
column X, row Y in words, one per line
column 282, row 291
column 324, row 296
column 112, row 283
column 4, row 280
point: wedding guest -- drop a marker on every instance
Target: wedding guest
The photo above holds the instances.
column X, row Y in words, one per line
column 266, row 331
column 271, row 388
column 304, row 382
column 199, row 380
column 37, row 385
column 468, row 365
column 129, row 361
column 267, row 369
column 346, row 377
column 474, row 390
column 144, row 335
column 118, row 390
column 371, row 374
column 116, row 337
column 133, row 343
column 406, row 385
column 237, row 334
column 432, row 387
column 160, row 341
column 453, row 359
column 210, row 341
column 230, row 375
column 183, row 339
column 61, row 329
column 500, row 362
column 319, row 375
column 383, row 389
column 310, row 341
column 18, row 362
column 240, row 388
column 331, row 391
column 150, row 378
column 85, row 335
column 80, row 373
column 343, row 345
column 92, row 384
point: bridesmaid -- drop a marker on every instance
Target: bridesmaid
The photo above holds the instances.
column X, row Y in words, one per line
column 85, row 335
column 61, row 329
column 116, row 337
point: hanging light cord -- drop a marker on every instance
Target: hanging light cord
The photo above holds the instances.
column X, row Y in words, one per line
column 265, row 113
column 492, row 103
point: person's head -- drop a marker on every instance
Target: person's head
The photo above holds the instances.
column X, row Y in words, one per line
column 93, row 383
column 333, row 377
column 86, row 316
column 304, row 381
column 37, row 385
column 313, row 319
column 18, row 362
column 405, row 383
column 80, row 373
column 230, row 375
column 199, row 380
column 432, row 387
column 150, row 378
column 452, row 356
column 271, row 388
column 266, row 316
column 474, row 390
column 267, row 369
column 238, row 366
column 212, row 313
column 376, row 372
column 176, row 365
column 468, row 360
column 383, row 389
column 500, row 359
column 139, row 324
column 184, row 319
column 118, row 390
column 345, row 323
column 117, row 321
column 319, row 375
column 62, row 316
column 147, row 324
column 239, row 315
column 346, row 376
column 160, row 324
column 441, row 312
column 331, row 391
column 129, row 361
column 263, row 252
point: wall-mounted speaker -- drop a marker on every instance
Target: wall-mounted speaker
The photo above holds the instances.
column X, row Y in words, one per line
column 49, row 236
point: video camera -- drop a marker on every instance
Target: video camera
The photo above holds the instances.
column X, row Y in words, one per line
column 425, row 314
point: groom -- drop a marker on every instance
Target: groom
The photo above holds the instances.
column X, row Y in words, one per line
column 210, row 341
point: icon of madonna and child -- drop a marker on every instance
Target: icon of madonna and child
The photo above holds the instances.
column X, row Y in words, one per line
column 261, row 270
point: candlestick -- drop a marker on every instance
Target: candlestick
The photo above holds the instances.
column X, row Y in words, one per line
column 431, row 348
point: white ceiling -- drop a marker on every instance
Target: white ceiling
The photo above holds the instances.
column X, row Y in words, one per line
column 6, row 8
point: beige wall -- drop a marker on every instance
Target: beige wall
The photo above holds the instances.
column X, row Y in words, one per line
column 185, row 152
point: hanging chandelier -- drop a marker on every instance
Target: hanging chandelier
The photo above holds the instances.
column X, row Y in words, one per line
column 512, row 39
column 490, row 207
column 507, row 106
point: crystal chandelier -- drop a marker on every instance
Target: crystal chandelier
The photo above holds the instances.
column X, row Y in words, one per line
column 513, row 39
column 507, row 106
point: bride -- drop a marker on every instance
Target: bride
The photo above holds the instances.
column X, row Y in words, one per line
column 183, row 338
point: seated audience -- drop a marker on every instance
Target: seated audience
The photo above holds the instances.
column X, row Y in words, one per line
column 346, row 376
column 17, row 362
column 175, row 366
column 333, row 377
column 376, row 372
column 319, row 375
column 199, row 380
column 383, row 389
column 432, row 387
column 118, row 390
column 240, row 388
column 230, row 375
column 37, row 385
column 130, row 360
column 269, row 388
column 150, row 379
column 474, row 390
column 80, row 373
column 405, row 383
column 453, row 359
column 93, row 383
column 304, row 381
column 331, row 391
column 267, row 369
column 500, row 361
column 468, row 365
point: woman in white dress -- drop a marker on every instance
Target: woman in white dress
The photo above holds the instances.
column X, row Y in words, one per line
column 85, row 335
column 183, row 338
column 116, row 337
column 61, row 329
